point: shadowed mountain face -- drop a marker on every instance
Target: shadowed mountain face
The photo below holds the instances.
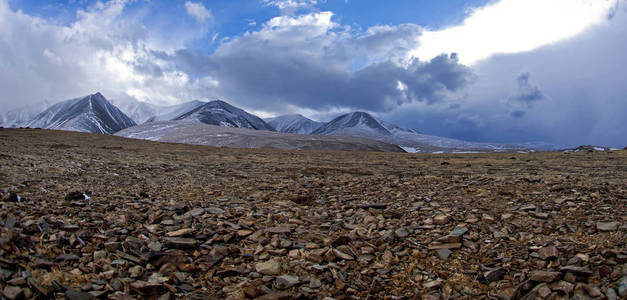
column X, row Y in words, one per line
column 221, row 113
column 92, row 113
column 356, row 123
column 294, row 124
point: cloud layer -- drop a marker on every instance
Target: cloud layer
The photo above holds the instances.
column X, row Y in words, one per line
column 305, row 61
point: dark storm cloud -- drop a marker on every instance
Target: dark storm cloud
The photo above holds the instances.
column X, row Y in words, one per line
column 527, row 93
column 276, row 74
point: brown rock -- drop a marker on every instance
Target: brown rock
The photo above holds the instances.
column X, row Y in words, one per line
column 275, row 296
column 279, row 230
column 181, row 243
column 180, row 232
column 271, row 267
column 12, row 292
column 544, row 276
column 607, row 226
column 550, row 252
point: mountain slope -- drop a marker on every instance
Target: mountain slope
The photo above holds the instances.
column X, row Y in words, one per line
column 142, row 112
column 354, row 124
column 361, row 124
column 221, row 113
column 92, row 113
column 220, row 136
column 172, row 112
column 20, row 116
column 294, row 124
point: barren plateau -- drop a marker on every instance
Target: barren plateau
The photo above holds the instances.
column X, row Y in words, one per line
column 97, row 216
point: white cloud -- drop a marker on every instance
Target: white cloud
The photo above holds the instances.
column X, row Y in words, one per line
column 511, row 26
column 198, row 11
column 103, row 50
column 291, row 6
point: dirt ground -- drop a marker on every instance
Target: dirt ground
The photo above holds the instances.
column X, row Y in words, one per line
column 87, row 215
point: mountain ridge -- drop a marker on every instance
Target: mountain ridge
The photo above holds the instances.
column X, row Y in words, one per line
column 294, row 123
column 92, row 113
column 220, row 113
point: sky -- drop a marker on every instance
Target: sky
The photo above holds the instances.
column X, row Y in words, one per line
column 479, row 70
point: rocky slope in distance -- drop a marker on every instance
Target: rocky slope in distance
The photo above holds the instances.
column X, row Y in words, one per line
column 221, row 136
column 85, row 215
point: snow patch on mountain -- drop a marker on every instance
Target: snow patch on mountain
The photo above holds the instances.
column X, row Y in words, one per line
column 354, row 124
column 294, row 124
column 223, row 114
column 142, row 112
column 92, row 113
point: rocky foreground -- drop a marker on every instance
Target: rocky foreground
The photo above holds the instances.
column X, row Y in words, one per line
column 93, row 216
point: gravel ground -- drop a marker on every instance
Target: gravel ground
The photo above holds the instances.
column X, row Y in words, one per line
column 95, row 216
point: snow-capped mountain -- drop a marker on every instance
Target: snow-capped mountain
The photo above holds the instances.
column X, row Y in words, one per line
column 221, row 113
column 395, row 129
column 92, row 113
column 361, row 124
column 20, row 116
column 294, row 124
column 142, row 112
column 354, row 124
column 172, row 112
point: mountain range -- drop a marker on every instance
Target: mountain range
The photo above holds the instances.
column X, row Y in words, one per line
column 94, row 113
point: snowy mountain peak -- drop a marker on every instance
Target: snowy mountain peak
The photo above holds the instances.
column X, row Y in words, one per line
column 221, row 113
column 92, row 113
column 294, row 124
column 355, row 123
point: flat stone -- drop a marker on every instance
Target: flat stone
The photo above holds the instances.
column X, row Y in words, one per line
column 494, row 275
column 286, row 281
column 12, row 292
column 279, row 230
column 441, row 219
column 275, row 296
column 444, row 253
column 543, row 291
column 341, row 240
column 550, row 252
column 67, row 257
column 216, row 210
column 244, row 232
column 610, row 294
column 315, row 283
column 78, row 295
column 342, row 255
column 180, row 232
column 544, row 276
column 622, row 287
column 576, row 270
column 271, row 267
column 432, row 284
column 401, row 233
column 607, row 226
column 196, row 212
column 564, row 287
column 181, row 243
column 459, row 231
column 445, row 246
